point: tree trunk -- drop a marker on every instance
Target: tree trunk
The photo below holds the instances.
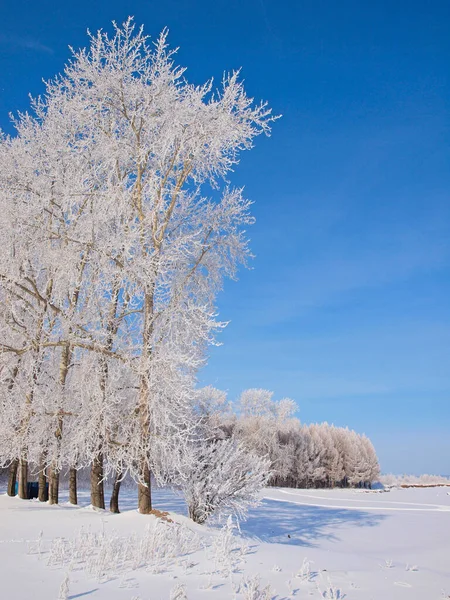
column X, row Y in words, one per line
column 144, row 487
column 12, row 477
column 53, row 493
column 145, row 491
column 43, row 492
column 114, row 502
column 23, row 479
column 53, row 485
column 73, row 499
column 97, row 486
column 97, row 474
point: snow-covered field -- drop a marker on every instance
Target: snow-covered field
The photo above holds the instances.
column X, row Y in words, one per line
column 303, row 543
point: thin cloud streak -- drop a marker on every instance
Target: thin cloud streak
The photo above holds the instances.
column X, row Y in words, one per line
column 17, row 42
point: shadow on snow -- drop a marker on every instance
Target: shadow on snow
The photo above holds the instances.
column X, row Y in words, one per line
column 302, row 525
column 273, row 521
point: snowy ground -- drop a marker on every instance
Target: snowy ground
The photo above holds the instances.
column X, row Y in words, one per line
column 359, row 545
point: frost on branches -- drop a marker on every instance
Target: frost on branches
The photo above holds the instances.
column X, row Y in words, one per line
column 118, row 229
column 223, row 477
column 317, row 455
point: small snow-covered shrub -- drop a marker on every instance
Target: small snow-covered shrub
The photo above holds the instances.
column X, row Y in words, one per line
column 178, row 592
column 227, row 552
column 331, row 592
column 290, row 587
column 223, row 477
column 64, row 588
column 304, row 573
column 251, row 589
column 35, row 546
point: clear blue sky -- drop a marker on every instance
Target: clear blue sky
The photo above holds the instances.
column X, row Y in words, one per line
column 346, row 309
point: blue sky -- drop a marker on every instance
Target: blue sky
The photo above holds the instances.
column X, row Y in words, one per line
column 346, row 308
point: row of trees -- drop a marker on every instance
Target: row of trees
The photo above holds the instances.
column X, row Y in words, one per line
column 117, row 229
column 424, row 480
column 238, row 448
column 317, row 455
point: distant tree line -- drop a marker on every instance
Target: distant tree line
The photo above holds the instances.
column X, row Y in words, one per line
column 423, row 480
column 300, row 456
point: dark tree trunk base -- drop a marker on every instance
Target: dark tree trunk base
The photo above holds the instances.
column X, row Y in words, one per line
column 97, row 486
column 43, row 490
column 12, row 477
column 145, row 492
column 114, row 502
column 53, row 486
column 23, row 479
column 42, row 479
column 73, row 498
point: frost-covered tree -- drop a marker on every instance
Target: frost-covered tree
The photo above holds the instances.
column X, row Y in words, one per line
column 316, row 455
column 222, row 476
column 261, row 419
column 126, row 229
